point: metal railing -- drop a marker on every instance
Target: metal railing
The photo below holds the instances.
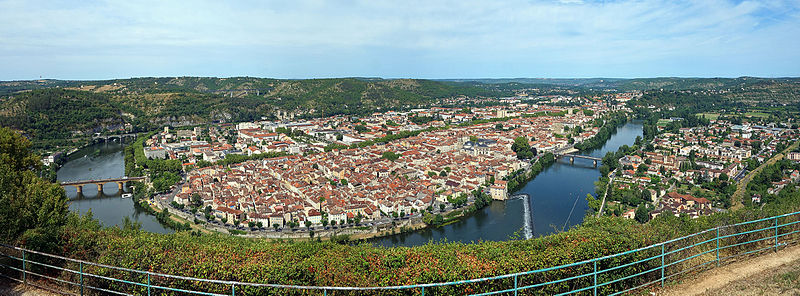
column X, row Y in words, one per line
column 614, row 274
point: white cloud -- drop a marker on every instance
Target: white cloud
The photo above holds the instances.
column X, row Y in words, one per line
column 579, row 34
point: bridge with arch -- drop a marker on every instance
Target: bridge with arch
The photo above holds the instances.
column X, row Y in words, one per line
column 100, row 183
column 109, row 137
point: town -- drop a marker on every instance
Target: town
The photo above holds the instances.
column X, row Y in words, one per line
column 691, row 168
column 342, row 170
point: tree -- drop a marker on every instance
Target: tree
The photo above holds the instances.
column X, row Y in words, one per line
column 441, row 207
column 390, row 155
column 196, row 201
column 275, row 225
column 642, row 215
column 28, row 204
column 723, row 177
column 308, row 224
column 251, row 224
column 522, row 148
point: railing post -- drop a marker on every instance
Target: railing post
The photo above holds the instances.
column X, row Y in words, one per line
column 717, row 246
column 148, row 284
column 662, row 265
column 233, row 289
column 776, row 234
column 80, row 267
column 24, row 270
column 423, row 290
column 594, row 262
column 515, row 285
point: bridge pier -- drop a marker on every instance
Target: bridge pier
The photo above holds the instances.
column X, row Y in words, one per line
column 571, row 159
column 101, row 183
column 595, row 162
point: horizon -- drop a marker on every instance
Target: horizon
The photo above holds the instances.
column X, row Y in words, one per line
column 103, row 40
column 401, row 78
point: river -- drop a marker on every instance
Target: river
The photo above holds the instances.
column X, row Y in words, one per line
column 557, row 197
column 557, row 202
column 103, row 161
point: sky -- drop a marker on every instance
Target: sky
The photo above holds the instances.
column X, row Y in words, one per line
column 89, row 40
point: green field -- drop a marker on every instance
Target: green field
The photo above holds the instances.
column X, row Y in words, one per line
column 709, row 116
column 756, row 114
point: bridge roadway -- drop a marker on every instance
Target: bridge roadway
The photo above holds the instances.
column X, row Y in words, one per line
column 120, row 182
column 107, row 137
column 573, row 156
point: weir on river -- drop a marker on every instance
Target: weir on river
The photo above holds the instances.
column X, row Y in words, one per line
column 527, row 223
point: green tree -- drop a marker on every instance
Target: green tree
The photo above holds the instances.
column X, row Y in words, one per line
column 642, row 215
column 390, row 155
column 196, row 201
column 27, row 202
column 522, row 148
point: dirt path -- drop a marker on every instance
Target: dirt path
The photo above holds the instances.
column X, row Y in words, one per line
column 769, row 274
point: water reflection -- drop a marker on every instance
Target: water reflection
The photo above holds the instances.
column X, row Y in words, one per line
column 103, row 161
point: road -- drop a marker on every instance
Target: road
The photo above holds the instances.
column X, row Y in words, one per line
column 603, row 203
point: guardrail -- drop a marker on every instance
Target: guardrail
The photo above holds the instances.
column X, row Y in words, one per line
column 609, row 275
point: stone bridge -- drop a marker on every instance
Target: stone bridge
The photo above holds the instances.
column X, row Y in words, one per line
column 120, row 182
column 109, row 137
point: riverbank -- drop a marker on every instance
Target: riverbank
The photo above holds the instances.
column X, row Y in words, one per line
column 465, row 226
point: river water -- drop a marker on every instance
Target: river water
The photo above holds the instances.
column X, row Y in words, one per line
column 103, row 161
column 557, row 202
column 557, row 197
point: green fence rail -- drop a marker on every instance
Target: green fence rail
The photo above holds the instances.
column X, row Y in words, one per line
column 615, row 274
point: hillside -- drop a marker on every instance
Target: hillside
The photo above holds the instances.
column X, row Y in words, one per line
column 55, row 112
column 52, row 115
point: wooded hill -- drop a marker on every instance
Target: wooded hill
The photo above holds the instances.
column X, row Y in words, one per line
column 56, row 112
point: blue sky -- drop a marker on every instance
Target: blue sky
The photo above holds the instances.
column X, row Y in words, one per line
column 399, row 39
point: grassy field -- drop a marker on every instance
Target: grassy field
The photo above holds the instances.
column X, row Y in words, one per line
column 756, row 114
column 709, row 116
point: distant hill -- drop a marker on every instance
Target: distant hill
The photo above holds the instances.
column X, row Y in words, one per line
column 53, row 111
